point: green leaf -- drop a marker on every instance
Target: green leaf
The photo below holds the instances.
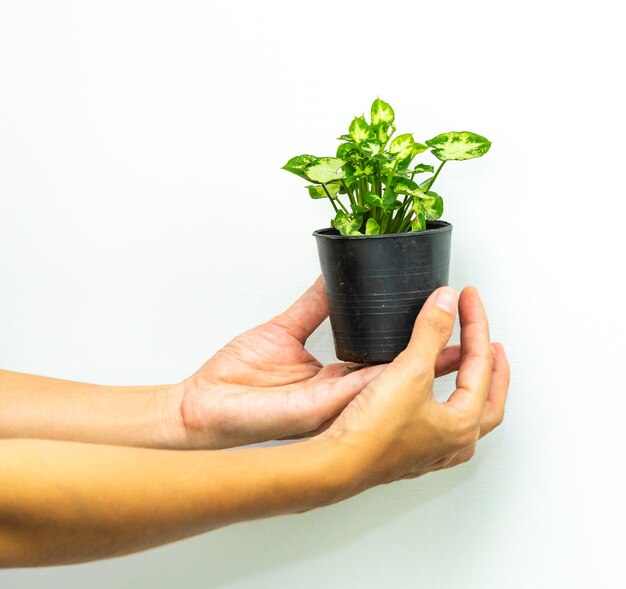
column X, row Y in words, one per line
column 325, row 169
column 424, row 186
column 420, row 168
column 372, row 227
column 296, row 165
column 419, row 148
column 371, row 148
column 402, row 145
column 346, row 150
column 419, row 223
column 317, row 190
column 373, row 200
column 458, row 145
column 432, row 206
column 360, row 208
column 347, row 224
column 403, row 186
column 359, row 129
column 382, row 133
column 382, row 112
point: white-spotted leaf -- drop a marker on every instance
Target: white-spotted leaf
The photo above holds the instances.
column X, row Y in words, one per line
column 325, row 169
column 402, row 145
column 317, row 190
column 359, row 129
column 432, row 206
column 382, row 112
column 373, row 200
column 372, row 227
column 458, row 145
column 421, row 168
column 347, row 224
column 296, row 165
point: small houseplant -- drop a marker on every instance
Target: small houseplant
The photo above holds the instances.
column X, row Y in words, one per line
column 386, row 249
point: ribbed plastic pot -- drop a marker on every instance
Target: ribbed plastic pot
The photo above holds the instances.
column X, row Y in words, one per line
column 377, row 284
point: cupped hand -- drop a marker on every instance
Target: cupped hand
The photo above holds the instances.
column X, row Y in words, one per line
column 395, row 428
column 265, row 385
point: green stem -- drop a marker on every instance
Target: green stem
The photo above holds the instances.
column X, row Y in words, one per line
column 362, row 190
column 343, row 206
column 389, row 179
column 436, row 174
column 349, row 192
column 332, row 200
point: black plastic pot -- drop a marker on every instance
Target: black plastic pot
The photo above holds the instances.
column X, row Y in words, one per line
column 377, row 284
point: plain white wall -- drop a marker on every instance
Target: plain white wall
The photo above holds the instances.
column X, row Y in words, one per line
column 144, row 221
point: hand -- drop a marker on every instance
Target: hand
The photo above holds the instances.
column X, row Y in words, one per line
column 264, row 385
column 395, row 428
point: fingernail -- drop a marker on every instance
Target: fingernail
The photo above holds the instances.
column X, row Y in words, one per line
column 447, row 299
column 494, row 351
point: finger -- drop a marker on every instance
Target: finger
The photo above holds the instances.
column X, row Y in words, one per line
column 322, row 428
column 448, row 462
column 306, row 314
column 331, row 397
column 431, row 332
column 474, row 375
column 307, row 408
column 496, row 399
column 449, row 360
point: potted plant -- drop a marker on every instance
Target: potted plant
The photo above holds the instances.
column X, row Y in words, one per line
column 386, row 250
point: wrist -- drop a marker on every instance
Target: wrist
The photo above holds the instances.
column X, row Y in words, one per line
column 342, row 467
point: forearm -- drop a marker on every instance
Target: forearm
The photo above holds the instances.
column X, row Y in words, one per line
column 65, row 502
column 49, row 408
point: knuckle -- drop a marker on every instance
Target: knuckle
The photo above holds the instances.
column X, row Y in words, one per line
column 468, row 454
column 499, row 418
column 416, row 370
column 467, row 431
column 440, row 326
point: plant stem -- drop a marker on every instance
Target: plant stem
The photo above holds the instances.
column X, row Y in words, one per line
column 432, row 181
column 343, row 206
column 349, row 192
column 332, row 200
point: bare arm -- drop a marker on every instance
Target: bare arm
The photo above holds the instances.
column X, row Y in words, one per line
column 63, row 502
column 262, row 385
column 50, row 408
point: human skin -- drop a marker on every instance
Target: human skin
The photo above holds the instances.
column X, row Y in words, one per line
column 261, row 386
column 63, row 502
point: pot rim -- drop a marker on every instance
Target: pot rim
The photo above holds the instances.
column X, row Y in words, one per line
column 432, row 227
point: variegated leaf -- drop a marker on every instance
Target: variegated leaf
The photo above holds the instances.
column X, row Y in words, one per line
column 373, row 200
column 419, row 223
column 372, row 227
column 347, row 224
column 432, row 206
column 317, row 190
column 325, row 169
column 296, row 165
column 421, row 168
column 382, row 112
column 402, row 145
column 371, row 148
column 359, row 129
column 458, row 145
column 346, row 150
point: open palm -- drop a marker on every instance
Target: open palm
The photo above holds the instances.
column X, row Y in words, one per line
column 265, row 385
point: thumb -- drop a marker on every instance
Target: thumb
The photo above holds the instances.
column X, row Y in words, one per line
column 432, row 329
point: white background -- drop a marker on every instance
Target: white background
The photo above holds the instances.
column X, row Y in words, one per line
column 144, row 221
